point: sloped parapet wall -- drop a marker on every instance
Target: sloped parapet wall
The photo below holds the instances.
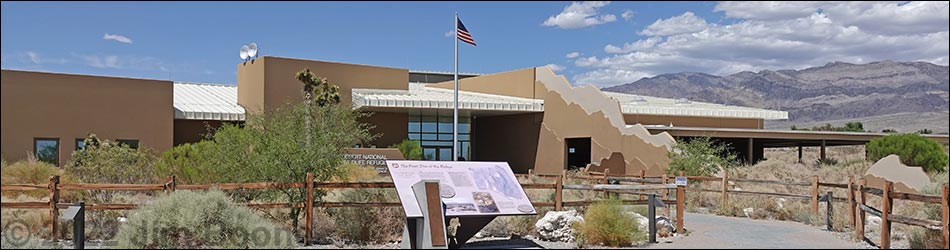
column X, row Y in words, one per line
column 586, row 112
column 906, row 179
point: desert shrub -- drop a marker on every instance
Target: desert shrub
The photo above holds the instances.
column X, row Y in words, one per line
column 700, row 156
column 368, row 225
column 921, row 238
column 188, row 219
column 104, row 161
column 913, row 149
column 504, row 226
column 31, row 243
column 185, row 162
column 607, row 223
column 29, row 172
column 411, row 149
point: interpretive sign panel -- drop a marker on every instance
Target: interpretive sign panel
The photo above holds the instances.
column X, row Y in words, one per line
column 467, row 188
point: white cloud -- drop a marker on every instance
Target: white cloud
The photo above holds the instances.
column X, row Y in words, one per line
column 35, row 58
column 117, row 38
column 787, row 40
column 450, row 33
column 685, row 23
column 125, row 62
column 767, row 10
column 555, row 67
column 580, row 15
column 572, row 55
column 627, row 15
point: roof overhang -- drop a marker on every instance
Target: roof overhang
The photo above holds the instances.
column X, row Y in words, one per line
column 782, row 137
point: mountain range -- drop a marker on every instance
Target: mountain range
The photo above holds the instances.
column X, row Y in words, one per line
column 836, row 92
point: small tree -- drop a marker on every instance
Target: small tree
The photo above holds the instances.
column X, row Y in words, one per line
column 913, row 149
column 410, row 149
column 700, row 156
column 925, row 131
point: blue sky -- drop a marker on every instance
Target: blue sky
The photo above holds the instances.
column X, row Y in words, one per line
column 613, row 42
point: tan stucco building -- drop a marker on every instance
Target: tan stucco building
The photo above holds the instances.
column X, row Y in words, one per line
column 531, row 118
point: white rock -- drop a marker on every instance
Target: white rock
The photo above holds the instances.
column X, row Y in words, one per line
column 642, row 221
column 556, row 226
column 872, row 221
column 781, row 203
column 748, row 211
column 664, row 227
column 122, row 219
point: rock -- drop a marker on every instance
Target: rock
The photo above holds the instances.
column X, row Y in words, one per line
column 664, row 227
column 556, row 226
column 780, row 203
column 642, row 221
column 479, row 235
column 748, row 211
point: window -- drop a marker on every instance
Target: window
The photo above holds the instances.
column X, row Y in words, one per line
column 434, row 132
column 47, row 150
column 80, row 144
column 133, row 144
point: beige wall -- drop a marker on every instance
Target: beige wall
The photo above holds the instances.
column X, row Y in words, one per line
column 520, row 83
column 392, row 128
column 65, row 106
column 509, row 138
column 271, row 82
column 690, row 121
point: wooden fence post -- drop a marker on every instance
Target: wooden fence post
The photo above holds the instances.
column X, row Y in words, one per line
column 946, row 217
column 725, row 187
column 606, row 173
column 888, row 205
column 859, row 227
column 309, row 212
column 170, row 184
column 666, row 194
column 53, row 211
column 559, row 191
column 680, row 207
column 851, row 201
column 814, row 195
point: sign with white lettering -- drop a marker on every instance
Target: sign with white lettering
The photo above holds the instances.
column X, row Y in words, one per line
column 374, row 157
column 467, row 188
column 681, row 181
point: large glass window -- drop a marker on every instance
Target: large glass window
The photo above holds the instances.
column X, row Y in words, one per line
column 434, row 131
column 80, row 144
column 133, row 144
column 47, row 150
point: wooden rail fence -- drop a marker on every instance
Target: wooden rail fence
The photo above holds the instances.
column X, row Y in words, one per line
column 601, row 185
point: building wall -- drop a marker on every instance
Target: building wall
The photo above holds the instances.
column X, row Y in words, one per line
column 65, row 106
column 519, row 83
column 687, row 121
column 392, row 128
column 191, row 131
column 508, row 138
column 271, row 80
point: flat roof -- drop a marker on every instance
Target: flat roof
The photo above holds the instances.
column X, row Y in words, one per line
column 782, row 138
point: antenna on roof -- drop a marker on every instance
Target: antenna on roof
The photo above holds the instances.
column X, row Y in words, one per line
column 249, row 52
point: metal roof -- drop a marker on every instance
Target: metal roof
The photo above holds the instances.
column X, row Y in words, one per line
column 202, row 101
column 648, row 105
column 421, row 96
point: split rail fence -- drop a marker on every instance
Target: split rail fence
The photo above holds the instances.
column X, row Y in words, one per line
column 601, row 184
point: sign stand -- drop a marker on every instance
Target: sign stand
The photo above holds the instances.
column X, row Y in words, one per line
column 427, row 232
column 468, row 227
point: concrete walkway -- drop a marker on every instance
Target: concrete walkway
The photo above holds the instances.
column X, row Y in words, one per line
column 710, row 231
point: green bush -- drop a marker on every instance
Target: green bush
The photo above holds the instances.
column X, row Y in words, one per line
column 913, row 149
column 607, row 222
column 186, row 163
column 700, row 156
column 191, row 220
column 411, row 149
column 110, row 162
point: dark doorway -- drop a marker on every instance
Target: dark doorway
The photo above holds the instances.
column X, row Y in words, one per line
column 578, row 152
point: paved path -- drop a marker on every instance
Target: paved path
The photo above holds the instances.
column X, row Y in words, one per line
column 710, row 231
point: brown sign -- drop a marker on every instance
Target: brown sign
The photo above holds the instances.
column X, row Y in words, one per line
column 375, row 157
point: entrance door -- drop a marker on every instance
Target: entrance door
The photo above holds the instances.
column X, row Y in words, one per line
column 578, row 152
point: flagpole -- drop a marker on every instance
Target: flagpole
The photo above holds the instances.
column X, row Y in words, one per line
column 455, row 116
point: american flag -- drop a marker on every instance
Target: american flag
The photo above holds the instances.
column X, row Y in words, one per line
column 463, row 34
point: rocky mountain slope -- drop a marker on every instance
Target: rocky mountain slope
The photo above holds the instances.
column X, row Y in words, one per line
column 835, row 91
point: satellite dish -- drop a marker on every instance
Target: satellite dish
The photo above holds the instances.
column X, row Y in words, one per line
column 252, row 50
column 244, row 50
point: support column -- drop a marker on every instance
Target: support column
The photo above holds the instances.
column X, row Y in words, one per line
column 750, row 158
column 822, row 156
column 800, row 154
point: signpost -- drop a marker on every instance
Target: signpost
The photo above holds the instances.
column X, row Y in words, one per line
column 653, row 203
column 77, row 213
column 473, row 192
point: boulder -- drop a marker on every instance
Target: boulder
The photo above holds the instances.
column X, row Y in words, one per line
column 556, row 226
column 642, row 221
column 748, row 211
column 664, row 227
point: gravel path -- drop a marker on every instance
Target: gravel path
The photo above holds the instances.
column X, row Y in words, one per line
column 710, row 231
